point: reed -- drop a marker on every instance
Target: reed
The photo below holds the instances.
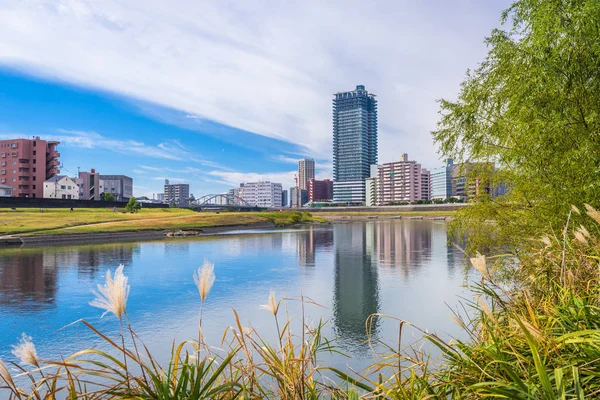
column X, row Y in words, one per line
column 533, row 329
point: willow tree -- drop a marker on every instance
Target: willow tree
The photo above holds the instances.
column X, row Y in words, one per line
column 532, row 107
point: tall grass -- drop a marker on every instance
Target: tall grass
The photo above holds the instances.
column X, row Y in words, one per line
column 533, row 333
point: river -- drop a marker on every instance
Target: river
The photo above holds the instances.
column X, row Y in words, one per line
column 402, row 268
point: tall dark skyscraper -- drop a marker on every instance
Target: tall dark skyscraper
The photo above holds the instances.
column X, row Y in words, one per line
column 354, row 143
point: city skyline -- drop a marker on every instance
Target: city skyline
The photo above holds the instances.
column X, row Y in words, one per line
column 184, row 120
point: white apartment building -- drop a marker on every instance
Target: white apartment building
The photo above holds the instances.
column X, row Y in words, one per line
column 261, row 194
column 61, row 187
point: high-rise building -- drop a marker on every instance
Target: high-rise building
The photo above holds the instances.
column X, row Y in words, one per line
column 177, row 193
column 261, row 194
column 354, row 143
column 306, row 172
column 120, row 186
column 284, row 198
column 399, row 181
column 25, row 164
column 441, row 181
column 300, row 197
column 320, row 190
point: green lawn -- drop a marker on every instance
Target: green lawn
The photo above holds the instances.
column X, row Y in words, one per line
column 96, row 220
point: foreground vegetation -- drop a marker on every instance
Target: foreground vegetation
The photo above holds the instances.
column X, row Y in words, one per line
column 98, row 220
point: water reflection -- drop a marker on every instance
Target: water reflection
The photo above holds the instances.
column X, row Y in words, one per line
column 356, row 289
column 402, row 268
column 29, row 277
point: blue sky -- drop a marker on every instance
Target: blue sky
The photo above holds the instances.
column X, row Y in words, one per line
column 218, row 93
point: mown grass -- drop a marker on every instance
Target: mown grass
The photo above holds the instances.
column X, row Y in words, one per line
column 62, row 221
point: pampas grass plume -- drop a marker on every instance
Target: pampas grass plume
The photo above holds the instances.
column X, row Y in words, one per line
column 204, row 279
column 112, row 296
column 25, row 351
column 273, row 305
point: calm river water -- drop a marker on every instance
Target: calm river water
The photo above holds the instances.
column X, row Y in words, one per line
column 400, row 267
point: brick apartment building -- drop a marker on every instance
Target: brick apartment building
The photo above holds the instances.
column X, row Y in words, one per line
column 320, row 190
column 25, row 164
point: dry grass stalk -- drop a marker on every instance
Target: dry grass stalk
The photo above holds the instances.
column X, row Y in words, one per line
column 272, row 306
column 480, row 264
column 592, row 212
column 5, row 375
column 204, row 279
column 112, row 296
column 25, row 351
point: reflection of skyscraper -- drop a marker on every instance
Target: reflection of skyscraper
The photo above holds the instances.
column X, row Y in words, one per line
column 356, row 290
column 307, row 242
column 403, row 243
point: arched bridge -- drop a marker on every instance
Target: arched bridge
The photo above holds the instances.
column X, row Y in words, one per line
column 220, row 201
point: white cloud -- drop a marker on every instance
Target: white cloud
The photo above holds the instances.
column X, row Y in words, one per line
column 269, row 68
column 235, row 178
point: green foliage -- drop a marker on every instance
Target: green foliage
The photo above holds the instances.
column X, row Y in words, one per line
column 133, row 206
column 106, row 196
column 533, row 108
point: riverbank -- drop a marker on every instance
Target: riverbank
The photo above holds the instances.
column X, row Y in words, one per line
column 29, row 223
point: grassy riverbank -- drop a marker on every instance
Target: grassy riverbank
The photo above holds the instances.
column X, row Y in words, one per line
column 95, row 220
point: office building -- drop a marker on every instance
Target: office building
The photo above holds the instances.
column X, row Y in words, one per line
column 306, row 172
column 298, row 198
column 177, row 193
column 261, row 194
column 89, row 185
column 160, row 197
column 120, row 186
column 25, row 164
column 61, row 187
column 441, row 181
column 354, row 143
column 320, row 190
column 399, row 181
column 284, row 198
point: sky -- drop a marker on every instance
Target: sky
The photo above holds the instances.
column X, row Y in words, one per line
column 215, row 93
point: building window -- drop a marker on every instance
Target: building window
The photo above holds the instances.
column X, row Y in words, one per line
column 14, row 163
column 34, row 161
column 15, row 154
column 34, row 152
column 3, row 163
column 3, row 154
column 63, row 187
column 34, row 143
column 14, row 179
column 34, row 176
column 34, row 169
column 14, row 146
column 14, row 171
column 34, row 186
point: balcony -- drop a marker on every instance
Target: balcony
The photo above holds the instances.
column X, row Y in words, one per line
column 53, row 154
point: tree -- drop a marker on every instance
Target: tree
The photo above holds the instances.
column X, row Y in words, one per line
column 108, row 196
column 133, row 206
column 532, row 107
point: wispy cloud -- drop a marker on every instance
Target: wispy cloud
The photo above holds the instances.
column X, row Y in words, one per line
column 226, row 62
column 285, row 159
column 235, row 178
